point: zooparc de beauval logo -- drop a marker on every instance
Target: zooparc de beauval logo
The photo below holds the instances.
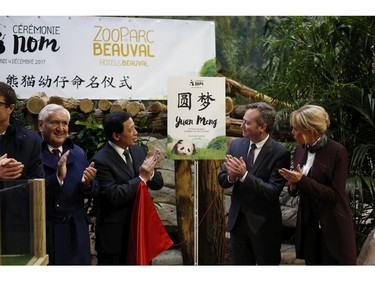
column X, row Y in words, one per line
column 30, row 38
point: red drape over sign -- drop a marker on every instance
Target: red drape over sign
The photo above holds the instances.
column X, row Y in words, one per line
column 148, row 237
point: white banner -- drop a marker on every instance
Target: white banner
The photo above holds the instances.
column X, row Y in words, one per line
column 101, row 57
column 196, row 118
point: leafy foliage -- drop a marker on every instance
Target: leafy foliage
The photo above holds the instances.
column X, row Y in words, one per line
column 209, row 68
column 330, row 61
column 90, row 136
column 218, row 143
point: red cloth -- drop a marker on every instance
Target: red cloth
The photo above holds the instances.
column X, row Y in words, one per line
column 148, row 237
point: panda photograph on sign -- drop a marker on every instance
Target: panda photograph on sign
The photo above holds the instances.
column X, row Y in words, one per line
column 183, row 147
column 196, row 118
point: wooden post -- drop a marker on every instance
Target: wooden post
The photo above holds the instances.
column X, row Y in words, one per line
column 184, row 205
column 211, row 214
column 39, row 221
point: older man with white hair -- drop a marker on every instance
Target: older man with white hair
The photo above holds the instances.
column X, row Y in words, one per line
column 69, row 180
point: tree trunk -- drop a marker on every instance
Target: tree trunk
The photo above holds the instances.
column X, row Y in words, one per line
column 134, row 107
column 211, row 214
column 86, row 105
column 157, row 107
column 233, row 127
column 36, row 102
column 185, row 205
column 119, row 105
column 154, row 123
column 104, row 105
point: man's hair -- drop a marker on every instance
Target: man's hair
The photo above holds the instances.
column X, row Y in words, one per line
column 266, row 114
column 113, row 123
column 52, row 107
column 8, row 93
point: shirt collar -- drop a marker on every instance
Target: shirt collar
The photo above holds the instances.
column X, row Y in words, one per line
column 50, row 148
column 261, row 143
column 119, row 150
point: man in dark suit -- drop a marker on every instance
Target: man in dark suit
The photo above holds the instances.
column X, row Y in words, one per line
column 20, row 159
column 69, row 181
column 121, row 166
column 255, row 216
column 20, row 151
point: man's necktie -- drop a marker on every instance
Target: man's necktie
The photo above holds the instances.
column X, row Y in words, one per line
column 129, row 161
column 56, row 152
column 251, row 155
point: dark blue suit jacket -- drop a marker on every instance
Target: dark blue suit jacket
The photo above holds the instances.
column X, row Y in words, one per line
column 118, row 189
column 258, row 196
column 68, row 240
column 24, row 146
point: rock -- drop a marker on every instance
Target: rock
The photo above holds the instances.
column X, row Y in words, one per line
column 367, row 254
column 168, row 257
column 168, row 216
column 164, row 195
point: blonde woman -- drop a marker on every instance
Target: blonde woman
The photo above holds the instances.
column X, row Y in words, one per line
column 324, row 233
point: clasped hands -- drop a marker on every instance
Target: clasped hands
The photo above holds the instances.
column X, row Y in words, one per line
column 236, row 168
column 10, row 168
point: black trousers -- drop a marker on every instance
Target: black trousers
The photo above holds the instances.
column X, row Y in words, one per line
column 316, row 250
column 109, row 259
column 249, row 249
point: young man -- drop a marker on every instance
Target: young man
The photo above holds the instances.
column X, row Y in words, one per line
column 20, row 159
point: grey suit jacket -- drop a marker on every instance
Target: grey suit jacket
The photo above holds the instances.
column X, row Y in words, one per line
column 258, row 196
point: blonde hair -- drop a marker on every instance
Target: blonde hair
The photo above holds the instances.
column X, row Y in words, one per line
column 310, row 118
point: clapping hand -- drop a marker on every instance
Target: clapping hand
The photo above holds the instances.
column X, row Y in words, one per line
column 88, row 175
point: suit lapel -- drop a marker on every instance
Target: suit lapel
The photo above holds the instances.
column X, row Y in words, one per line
column 244, row 149
column 137, row 162
column 118, row 161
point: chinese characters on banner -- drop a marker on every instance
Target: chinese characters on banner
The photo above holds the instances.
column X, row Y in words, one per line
column 196, row 118
column 100, row 57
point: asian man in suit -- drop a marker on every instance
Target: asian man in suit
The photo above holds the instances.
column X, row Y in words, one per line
column 121, row 166
column 254, row 220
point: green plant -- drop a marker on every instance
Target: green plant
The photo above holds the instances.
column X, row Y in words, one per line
column 330, row 61
column 218, row 143
column 20, row 116
column 361, row 191
column 142, row 141
column 90, row 136
column 209, row 68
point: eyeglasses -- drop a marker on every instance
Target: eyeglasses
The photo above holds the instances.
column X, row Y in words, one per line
column 4, row 104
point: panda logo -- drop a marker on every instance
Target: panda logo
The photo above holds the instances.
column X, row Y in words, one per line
column 184, row 147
